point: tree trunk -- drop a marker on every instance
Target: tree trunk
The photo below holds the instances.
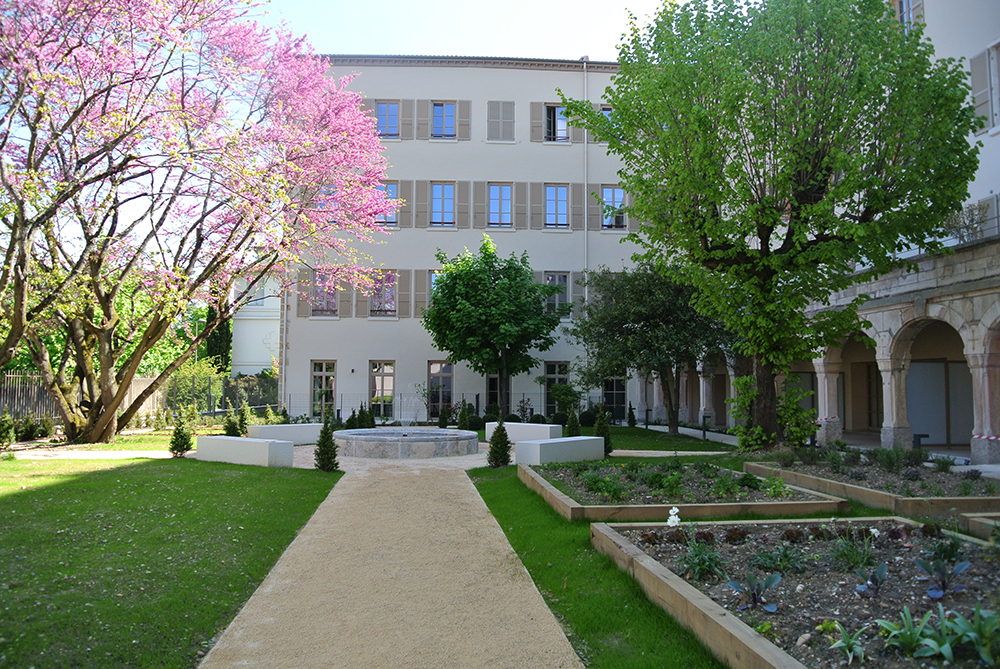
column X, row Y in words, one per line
column 669, row 385
column 765, row 405
column 504, row 401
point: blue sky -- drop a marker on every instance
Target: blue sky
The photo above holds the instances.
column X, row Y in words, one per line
column 562, row 29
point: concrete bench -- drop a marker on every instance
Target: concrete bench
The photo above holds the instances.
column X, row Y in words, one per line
column 520, row 431
column 242, row 451
column 565, row 449
column 297, row 433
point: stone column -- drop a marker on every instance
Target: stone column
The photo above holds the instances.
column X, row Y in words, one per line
column 896, row 430
column 831, row 424
column 683, row 410
column 659, row 402
column 730, row 394
column 707, row 374
column 985, row 369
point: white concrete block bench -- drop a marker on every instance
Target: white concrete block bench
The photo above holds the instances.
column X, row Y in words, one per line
column 297, row 433
column 243, row 451
column 520, row 431
column 564, row 449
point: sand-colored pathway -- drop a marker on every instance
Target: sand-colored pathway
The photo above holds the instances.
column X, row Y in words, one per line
column 401, row 566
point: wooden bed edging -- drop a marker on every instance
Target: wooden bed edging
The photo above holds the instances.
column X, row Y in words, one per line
column 897, row 504
column 730, row 639
column 979, row 524
column 572, row 510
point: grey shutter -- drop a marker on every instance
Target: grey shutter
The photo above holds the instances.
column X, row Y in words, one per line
column 633, row 223
column 537, row 122
column 368, row 106
column 423, row 119
column 480, row 205
column 305, row 281
column 403, row 293
column 539, row 277
column 361, row 305
column 917, row 10
column 462, row 204
column 406, row 119
column 493, row 120
column 537, row 217
column 420, row 212
column 991, row 224
column 404, row 216
column 576, row 134
column 575, row 292
column 345, row 295
column 464, row 120
column 419, row 292
column 507, row 122
column 595, row 207
column 521, row 206
column 981, row 93
column 577, row 204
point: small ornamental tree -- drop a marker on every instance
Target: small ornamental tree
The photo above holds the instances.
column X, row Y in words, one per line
column 775, row 146
column 8, row 431
column 631, row 415
column 488, row 312
column 231, row 425
column 352, row 421
column 245, row 418
column 572, row 425
column 326, row 448
column 499, row 453
column 180, row 439
column 463, row 416
column 602, row 428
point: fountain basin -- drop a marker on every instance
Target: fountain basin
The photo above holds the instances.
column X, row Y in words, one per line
column 405, row 443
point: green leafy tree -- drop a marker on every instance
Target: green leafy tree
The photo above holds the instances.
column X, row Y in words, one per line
column 771, row 147
column 603, row 429
column 488, row 312
column 641, row 321
column 219, row 345
column 326, row 448
column 499, row 453
column 180, row 439
column 566, row 397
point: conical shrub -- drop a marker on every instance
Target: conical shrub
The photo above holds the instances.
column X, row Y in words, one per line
column 326, row 449
column 572, row 425
column 603, row 429
column 180, row 440
column 499, row 455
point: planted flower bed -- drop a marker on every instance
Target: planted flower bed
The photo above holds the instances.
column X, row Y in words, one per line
column 818, row 590
column 636, row 491
column 893, row 479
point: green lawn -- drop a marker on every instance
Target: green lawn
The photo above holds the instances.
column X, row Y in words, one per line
column 641, row 439
column 137, row 563
column 608, row 618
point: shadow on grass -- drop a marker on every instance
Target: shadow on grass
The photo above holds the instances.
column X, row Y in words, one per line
column 137, row 563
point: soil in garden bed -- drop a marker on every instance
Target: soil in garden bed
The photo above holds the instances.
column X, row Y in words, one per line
column 818, row 589
column 669, row 482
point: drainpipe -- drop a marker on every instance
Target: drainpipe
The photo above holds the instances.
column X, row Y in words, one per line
column 586, row 183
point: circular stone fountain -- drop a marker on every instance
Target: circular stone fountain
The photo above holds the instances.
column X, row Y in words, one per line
column 403, row 443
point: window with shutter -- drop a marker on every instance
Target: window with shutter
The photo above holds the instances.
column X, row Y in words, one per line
column 387, row 118
column 442, row 204
column 391, row 190
column 556, row 206
column 613, row 217
column 443, row 120
column 500, row 205
column 500, row 121
column 556, row 129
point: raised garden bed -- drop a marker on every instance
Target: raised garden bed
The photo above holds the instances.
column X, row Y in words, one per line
column 785, row 500
column 982, row 525
column 881, row 489
column 808, row 605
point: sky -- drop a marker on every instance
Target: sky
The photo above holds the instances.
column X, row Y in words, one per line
column 558, row 29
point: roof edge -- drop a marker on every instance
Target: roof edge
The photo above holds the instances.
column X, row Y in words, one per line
column 469, row 61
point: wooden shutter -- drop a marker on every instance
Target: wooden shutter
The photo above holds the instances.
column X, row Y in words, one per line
column 423, row 119
column 632, row 223
column 577, row 203
column 368, row 106
column 462, row 205
column 419, row 292
column 537, row 121
column 361, row 305
column 404, row 216
column 575, row 292
column 576, row 134
column 981, row 89
column 493, row 119
column 305, row 282
column 480, row 204
column 539, row 277
column 406, row 119
column 521, row 206
column 991, row 224
column 403, row 293
column 345, row 296
column 595, row 207
column 537, row 217
column 420, row 209
column 464, row 120
column 507, row 121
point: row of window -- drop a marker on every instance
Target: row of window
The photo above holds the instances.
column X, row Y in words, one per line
column 440, row 386
column 498, row 207
column 436, row 119
column 390, row 294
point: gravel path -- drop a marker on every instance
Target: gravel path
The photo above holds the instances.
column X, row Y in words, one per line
column 401, row 566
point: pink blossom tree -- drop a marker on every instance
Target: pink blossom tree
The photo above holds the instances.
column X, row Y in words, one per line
column 155, row 155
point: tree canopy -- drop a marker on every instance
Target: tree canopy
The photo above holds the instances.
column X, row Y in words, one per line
column 774, row 148
column 176, row 157
column 641, row 321
column 488, row 311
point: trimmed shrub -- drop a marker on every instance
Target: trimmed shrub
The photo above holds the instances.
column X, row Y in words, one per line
column 572, row 425
column 476, row 422
column 463, row 416
column 588, row 418
column 46, row 427
column 352, row 421
column 603, row 429
column 631, row 415
column 915, row 457
column 537, row 418
column 499, row 454
column 8, row 430
column 326, row 449
column 559, row 418
column 230, row 425
column 180, row 440
column 269, row 417
column 512, row 418
column 245, row 418
column 890, row 459
column 444, row 417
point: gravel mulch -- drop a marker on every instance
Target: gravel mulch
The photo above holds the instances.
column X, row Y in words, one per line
column 909, row 482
